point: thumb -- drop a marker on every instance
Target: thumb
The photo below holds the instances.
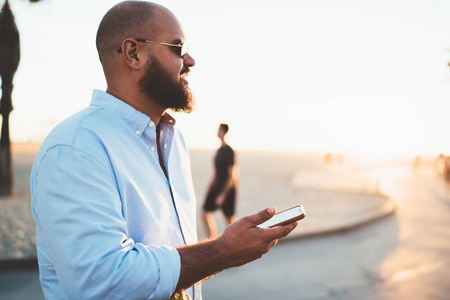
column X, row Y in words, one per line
column 262, row 216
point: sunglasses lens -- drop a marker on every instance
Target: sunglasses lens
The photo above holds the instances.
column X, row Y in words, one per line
column 184, row 50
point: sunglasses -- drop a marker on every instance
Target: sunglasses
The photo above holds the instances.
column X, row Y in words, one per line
column 181, row 49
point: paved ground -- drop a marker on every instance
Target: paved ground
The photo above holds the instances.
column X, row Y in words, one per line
column 403, row 256
column 20, row 285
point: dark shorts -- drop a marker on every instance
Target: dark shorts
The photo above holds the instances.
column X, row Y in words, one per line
column 228, row 206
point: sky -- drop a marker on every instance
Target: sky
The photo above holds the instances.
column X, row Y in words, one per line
column 348, row 76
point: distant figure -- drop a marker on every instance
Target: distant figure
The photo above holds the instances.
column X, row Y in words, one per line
column 222, row 188
column 442, row 164
column 417, row 161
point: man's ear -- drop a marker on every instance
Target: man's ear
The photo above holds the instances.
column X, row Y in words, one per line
column 131, row 54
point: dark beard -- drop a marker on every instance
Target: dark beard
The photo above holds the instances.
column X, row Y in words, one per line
column 158, row 85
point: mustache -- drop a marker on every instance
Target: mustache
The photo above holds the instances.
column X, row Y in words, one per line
column 185, row 70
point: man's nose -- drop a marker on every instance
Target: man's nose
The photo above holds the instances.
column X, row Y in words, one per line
column 188, row 61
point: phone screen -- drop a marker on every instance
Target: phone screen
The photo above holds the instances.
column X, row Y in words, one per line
column 285, row 217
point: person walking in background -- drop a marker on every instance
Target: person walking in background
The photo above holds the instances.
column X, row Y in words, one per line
column 111, row 186
column 222, row 190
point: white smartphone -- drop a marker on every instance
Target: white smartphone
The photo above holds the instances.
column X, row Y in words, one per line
column 285, row 217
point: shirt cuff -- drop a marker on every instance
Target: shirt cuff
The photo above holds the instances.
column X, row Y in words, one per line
column 169, row 263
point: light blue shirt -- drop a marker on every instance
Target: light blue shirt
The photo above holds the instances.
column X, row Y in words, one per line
column 107, row 217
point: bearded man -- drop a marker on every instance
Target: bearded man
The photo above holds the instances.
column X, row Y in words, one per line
column 111, row 186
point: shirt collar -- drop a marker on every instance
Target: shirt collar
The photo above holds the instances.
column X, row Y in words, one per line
column 137, row 120
column 168, row 119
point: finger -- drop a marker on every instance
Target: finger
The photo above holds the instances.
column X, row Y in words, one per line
column 293, row 225
column 261, row 216
column 273, row 243
column 290, row 226
column 281, row 231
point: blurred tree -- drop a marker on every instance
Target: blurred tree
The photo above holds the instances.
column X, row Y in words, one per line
column 9, row 61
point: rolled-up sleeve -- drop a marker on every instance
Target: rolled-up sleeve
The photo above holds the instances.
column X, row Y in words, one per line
column 80, row 214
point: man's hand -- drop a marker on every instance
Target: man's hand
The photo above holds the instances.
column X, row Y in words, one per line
column 243, row 241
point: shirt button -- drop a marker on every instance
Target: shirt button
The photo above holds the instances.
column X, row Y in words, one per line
column 138, row 132
column 151, row 124
column 152, row 149
column 165, row 146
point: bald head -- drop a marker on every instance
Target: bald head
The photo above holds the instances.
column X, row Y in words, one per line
column 124, row 20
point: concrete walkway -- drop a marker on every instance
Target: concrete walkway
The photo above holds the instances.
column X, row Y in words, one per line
column 405, row 255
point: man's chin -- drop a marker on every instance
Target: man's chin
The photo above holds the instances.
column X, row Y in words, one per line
column 186, row 107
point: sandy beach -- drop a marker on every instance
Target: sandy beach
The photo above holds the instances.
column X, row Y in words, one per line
column 17, row 227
